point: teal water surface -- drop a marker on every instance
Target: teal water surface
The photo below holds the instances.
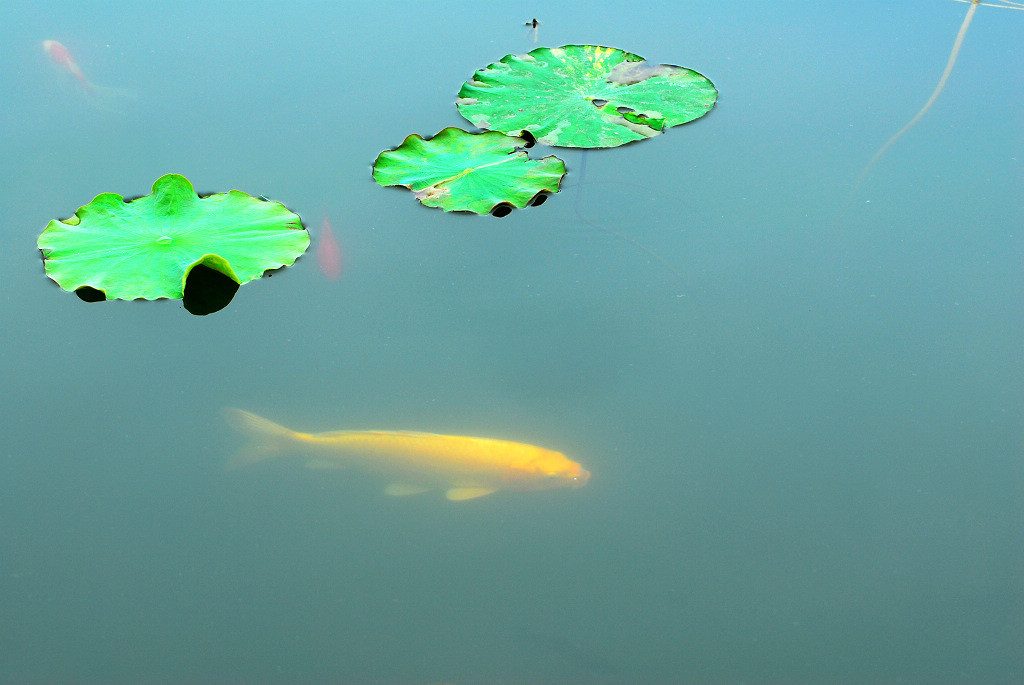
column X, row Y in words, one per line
column 806, row 437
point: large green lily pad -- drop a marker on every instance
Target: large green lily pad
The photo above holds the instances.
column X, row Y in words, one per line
column 460, row 171
column 584, row 96
column 146, row 248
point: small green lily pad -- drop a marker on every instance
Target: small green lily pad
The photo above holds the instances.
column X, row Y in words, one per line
column 584, row 96
column 473, row 172
column 145, row 248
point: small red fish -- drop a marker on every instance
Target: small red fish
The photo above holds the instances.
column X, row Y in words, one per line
column 328, row 253
column 62, row 57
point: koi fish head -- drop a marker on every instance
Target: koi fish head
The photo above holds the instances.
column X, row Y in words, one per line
column 58, row 53
column 579, row 478
column 548, row 471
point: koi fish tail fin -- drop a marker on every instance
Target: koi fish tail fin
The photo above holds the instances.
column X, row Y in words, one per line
column 110, row 91
column 106, row 98
column 266, row 438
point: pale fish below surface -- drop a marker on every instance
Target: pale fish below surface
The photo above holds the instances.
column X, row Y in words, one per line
column 413, row 462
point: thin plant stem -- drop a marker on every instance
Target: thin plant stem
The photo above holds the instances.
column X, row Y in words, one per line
column 931, row 100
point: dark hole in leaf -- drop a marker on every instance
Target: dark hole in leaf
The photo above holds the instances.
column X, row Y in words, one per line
column 598, row 102
column 528, row 137
column 89, row 294
column 207, row 290
column 502, row 209
column 623, row 110
column 538, row 199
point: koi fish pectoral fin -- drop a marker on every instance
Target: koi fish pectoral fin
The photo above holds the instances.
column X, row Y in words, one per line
column 460, row 494
column 404, row 489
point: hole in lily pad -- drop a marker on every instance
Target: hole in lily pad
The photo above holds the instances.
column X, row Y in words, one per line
column 539, row 199
column 207, row 290
column 502, row 209
column 89, row 294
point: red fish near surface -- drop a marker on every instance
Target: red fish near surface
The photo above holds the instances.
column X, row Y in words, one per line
column 61, row 57
column 328, row 253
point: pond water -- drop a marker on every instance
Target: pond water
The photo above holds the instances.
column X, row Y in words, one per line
column 804, row 420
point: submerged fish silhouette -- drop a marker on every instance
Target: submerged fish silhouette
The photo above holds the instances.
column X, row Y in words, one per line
column 328, row 253
column 61, row 56
column 465, row 467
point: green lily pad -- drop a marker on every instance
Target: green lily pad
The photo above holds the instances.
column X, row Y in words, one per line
column 584, row 96
column 473, row 172
column 147, row 247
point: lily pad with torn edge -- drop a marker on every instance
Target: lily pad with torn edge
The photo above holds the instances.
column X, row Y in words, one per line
column 584, row 96
column 167, row 243
column 485, row 173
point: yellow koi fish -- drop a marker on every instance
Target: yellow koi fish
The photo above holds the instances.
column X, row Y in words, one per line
column 412, row 462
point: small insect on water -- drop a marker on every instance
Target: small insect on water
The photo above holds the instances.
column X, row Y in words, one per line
column 533, row 25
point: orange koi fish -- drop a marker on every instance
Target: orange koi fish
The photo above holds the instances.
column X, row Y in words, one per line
column 62, row 57
column 328, row 253
column 411, row 462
